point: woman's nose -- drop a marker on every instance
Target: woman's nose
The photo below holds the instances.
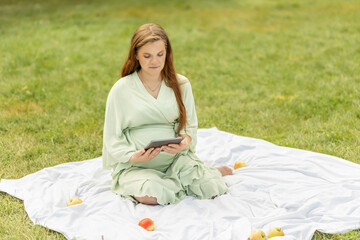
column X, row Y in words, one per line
column 154, row 60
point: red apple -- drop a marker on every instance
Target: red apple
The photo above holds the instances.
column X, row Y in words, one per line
column 147, row 223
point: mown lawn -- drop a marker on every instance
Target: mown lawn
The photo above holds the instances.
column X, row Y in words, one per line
column 284, row 71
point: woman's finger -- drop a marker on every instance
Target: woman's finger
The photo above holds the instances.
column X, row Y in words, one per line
column 139, row 153
column 176, row 147
column 173, row 145
column 169, row 149
column 149, row 151
column 155, row 152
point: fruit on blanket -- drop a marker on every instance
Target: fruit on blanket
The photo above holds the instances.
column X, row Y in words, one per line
column 74, row 200
column 274, row 232
column 239, row 164
column 147, row 223
column 257, row 235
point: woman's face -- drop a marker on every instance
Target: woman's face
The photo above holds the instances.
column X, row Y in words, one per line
column 152, row 57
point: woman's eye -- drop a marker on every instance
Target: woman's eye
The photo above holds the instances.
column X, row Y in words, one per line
column 160, row 55
column 146, row 56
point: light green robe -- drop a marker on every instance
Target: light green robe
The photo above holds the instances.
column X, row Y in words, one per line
column 132, row 119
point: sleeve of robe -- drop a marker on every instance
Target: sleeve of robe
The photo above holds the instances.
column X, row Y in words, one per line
column 116, row 148
column 191, row 118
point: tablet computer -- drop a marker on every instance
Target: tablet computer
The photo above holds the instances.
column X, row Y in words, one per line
column 161, row 142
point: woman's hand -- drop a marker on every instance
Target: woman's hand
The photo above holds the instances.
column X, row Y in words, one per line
column 176, row 148
column 144, row 155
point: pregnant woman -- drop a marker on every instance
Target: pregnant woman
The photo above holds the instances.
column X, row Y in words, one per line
column 151, row 101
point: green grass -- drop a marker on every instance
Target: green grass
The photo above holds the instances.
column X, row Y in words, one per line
column 284, row 71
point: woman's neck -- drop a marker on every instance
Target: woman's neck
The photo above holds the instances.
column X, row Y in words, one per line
column 151, row 79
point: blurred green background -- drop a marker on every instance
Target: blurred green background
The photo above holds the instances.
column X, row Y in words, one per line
column 284, row 71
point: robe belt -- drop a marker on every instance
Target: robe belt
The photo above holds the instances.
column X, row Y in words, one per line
column 150, row 126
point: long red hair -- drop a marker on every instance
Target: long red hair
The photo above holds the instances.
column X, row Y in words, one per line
column 152, row 32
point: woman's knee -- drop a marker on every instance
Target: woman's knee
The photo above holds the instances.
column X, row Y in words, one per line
column 147, row 200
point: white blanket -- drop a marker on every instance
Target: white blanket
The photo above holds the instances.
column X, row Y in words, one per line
column 297, row 190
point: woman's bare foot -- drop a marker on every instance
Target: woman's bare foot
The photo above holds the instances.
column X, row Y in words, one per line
column 147, row 200
column 224, row 170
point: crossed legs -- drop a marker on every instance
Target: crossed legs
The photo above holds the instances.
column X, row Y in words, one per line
column 153, row 200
